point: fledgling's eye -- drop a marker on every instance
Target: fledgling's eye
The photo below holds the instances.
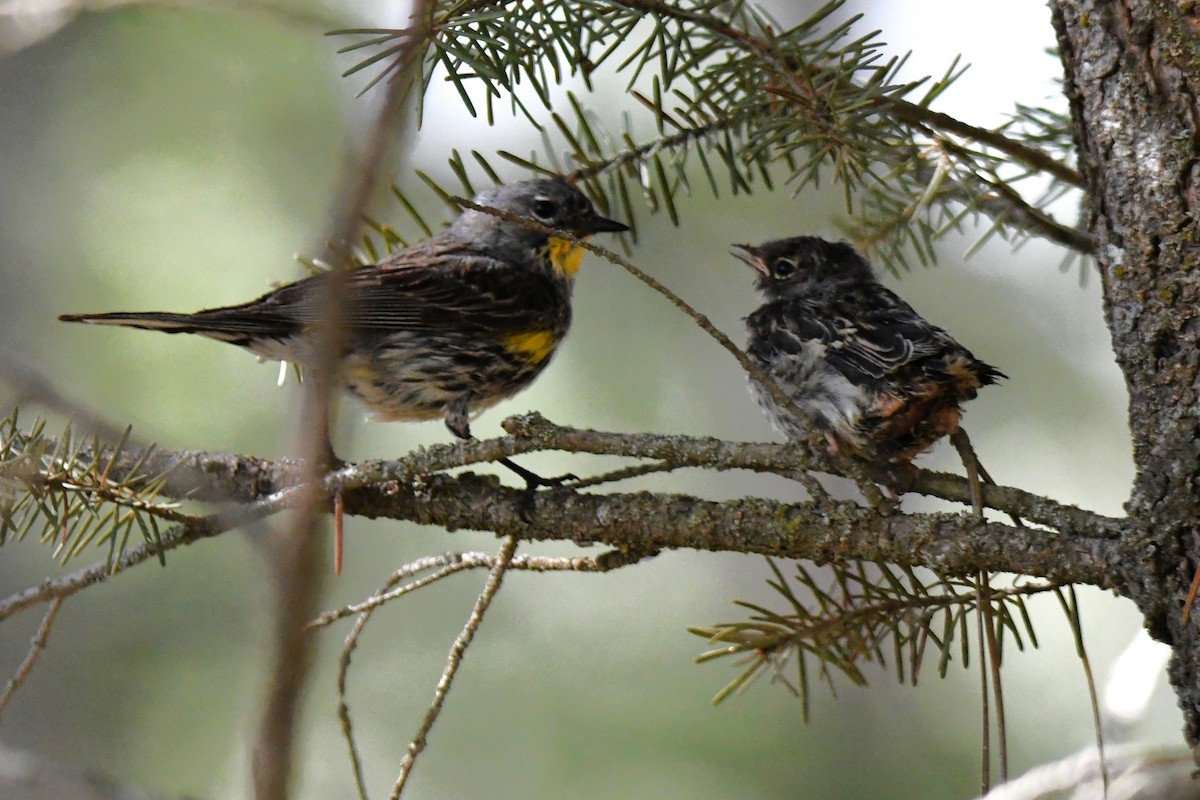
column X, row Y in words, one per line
column 784, row 268
column 544, row 209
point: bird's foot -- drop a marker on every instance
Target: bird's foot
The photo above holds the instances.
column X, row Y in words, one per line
column 533, row 481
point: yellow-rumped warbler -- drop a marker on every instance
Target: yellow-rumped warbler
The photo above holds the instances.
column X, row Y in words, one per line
column 445, row 328
column 873, row 377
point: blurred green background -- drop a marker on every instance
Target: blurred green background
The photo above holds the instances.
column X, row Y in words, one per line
column 169, row 157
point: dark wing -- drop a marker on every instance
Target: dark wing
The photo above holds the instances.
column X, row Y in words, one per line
column 432, row 287
column 868, row 334
column 874, row 334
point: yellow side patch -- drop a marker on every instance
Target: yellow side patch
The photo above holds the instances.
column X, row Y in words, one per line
column 565, row 256
column 533, row 345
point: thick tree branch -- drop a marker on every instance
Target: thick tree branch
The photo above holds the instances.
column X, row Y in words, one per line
column 228, row 478
column 1083, row 551
column 950, row 543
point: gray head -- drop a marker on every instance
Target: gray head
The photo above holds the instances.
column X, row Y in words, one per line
column 553, row 203
column 804, row 264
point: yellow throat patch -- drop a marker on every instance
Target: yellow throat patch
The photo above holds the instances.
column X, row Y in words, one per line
column 565, row 256
column 535, row 346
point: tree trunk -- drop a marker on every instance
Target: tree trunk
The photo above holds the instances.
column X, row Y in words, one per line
column 1131, row 74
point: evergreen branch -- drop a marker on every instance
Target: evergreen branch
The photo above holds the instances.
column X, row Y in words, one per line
column 1070, row 606
column 636, row 153
column 685, row 451
column 741, row 73
column 1018, row 151
column 852, row 621
column 645, row 521
column 830, row 625
column 894, row 208
column 81, row 499
column 899, row 108
column 1004, row 206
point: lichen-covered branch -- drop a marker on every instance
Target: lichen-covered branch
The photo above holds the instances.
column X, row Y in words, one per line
column 244, row 480
column 412, row 489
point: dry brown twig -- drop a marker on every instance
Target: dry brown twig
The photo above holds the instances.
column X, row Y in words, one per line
column 296, row 560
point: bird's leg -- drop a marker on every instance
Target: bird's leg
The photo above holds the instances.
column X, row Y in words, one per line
column 326, row 462
column 971, row 464
column 901, row 475
column 459, row 423
column 975, row 472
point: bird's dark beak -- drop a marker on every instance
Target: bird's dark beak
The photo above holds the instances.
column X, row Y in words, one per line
column 751, row 256
column 598, row 224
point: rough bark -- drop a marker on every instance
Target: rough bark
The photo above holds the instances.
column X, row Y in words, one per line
column 1070, row 545
column 1131, row 79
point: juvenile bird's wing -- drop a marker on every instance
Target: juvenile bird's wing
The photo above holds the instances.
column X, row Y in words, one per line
column 869, row 335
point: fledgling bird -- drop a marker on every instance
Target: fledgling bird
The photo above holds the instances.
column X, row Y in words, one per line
column 872, row 377
column 443, row 329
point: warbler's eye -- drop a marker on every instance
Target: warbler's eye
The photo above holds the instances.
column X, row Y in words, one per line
column 784, row 268
column 544, row 209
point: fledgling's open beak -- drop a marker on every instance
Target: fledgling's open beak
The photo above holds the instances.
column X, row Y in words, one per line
column 751, row 255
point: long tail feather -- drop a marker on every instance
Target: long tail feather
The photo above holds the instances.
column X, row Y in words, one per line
column 243, row 328
column 150, row 320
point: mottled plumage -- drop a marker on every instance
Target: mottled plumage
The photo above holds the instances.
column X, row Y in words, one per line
column 445, row 328
column 871, row 375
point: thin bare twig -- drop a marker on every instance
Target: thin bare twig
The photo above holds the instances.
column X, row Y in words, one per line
column 452, row 563
column 449, row 565
column 625, row 473
column 36, row 646
column 446, row 565
column 417, row 745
